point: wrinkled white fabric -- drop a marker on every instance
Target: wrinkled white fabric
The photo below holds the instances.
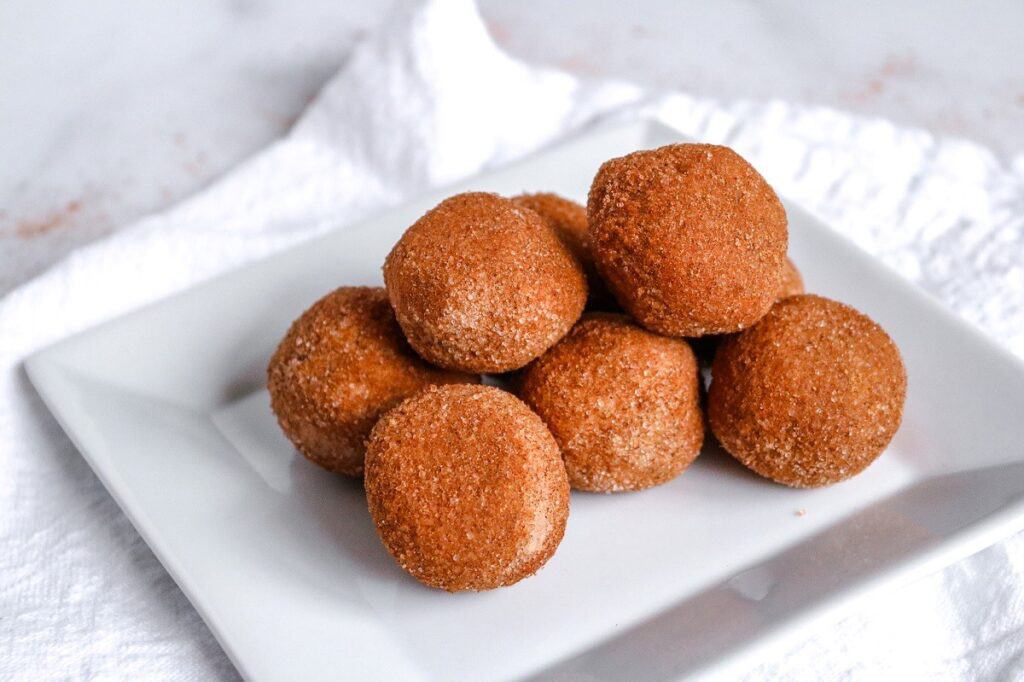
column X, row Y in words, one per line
column 424, row 101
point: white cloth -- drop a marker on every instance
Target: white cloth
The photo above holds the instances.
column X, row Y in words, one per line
column 424, row 101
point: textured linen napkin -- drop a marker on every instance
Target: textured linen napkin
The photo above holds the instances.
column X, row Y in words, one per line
column 426, row 100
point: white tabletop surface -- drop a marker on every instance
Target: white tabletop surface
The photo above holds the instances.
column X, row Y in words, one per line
column 113, row 109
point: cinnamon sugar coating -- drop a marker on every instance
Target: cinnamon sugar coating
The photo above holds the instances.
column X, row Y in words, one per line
column 808, row 396
column 467, row 488
column 792, row 281
column 791, row 285
column 480, row 284
column 623, row 403
column 568, row 219
column 342, row 364
column 689, row 237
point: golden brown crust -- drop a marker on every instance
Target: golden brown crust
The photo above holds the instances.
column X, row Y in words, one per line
column 689, row 237
column 466, row 487
column 622, row 402
column 343, row 363
column 568, row 219
column 808, row 396
column 480, row 284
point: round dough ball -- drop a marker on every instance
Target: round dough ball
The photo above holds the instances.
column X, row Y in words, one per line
column 623, row 404
column 792, row 284
column 480, row 284
column 466, row 487
column 810, row 395
column 792, row 280
column 689, row 237
column 569, row 222
column 341, row 365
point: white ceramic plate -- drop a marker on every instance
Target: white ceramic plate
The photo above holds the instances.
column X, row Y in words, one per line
column 282, row 561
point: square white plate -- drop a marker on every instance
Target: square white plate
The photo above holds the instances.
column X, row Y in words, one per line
column 281, row 559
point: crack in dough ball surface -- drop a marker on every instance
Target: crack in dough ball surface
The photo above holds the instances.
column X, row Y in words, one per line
column 481, row 284
column 622, row 402
column 689, row 237
column 810, row 395
column 341, row 365
column 467, row 488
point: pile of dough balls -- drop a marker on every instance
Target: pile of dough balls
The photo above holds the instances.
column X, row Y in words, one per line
column 588, row 318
